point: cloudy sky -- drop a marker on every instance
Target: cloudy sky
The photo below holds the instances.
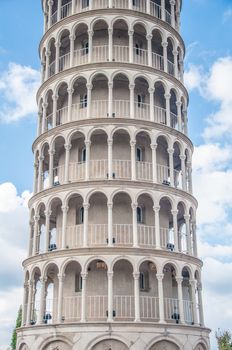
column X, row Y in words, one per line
column 207, row 31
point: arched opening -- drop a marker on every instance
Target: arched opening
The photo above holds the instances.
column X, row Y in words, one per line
column 98, row 220
column 122, row 219
column 52, row 57
column 140, row 44
column 96, row 287
column 155, row 8
column 162, row 156
column 110, row 343
column 64, row 51
column 81, row 44
column 173, row 109
column 143, row 157
column 71, row 308
column 54, row 11
column 66, row 8
column 157, row 50
column 178, row 181
column 142, row 99
column 146, row 221
column 100, row 42
column 164, row 344
column 168, row 12
column 120, row 41
column 49, row 111
column 45, row 167
column 170, row 49
column 149, row 298
column 51, row 294
column 99, row 106
column 79, row 99
column 121, row 97
column 160, row 104
column 171, row 302
column 75, row 220
column 123, row 291
column 166, row 224
column 77, row 162
column 62, row 104
column 182, row 229
column 187, row 296
column 55, row 225
column 59, row 161
column 121, row 155
column 98, row 168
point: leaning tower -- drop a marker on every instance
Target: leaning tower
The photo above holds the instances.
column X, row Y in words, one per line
column 112, row 261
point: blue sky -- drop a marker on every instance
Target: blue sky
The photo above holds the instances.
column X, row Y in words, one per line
column 207, row 31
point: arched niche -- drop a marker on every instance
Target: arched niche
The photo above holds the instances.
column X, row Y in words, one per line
column 164, row 345
column 110, row 345
column 57, row 345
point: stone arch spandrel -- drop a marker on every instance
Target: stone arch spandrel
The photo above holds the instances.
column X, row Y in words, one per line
column 164, row 345
column 111, row 344
column 57, row 345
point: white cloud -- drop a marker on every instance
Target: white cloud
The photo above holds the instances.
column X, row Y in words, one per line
column 18, row 86
column 193, row 77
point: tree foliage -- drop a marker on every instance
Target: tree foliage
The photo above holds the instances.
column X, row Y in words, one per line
column 224, row 340
column 18, row 324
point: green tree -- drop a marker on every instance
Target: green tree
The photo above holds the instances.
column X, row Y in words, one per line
column 18, row 324
column 224, row 340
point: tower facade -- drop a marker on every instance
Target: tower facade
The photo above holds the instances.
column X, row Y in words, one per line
column 112, row 261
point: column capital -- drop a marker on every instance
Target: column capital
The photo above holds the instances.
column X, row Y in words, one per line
column 48, row 213
column 110, row 205
column 110, row 274
column 110, row 142
column 86, row 206
column 110, row 30
column 72, row 37
column 90, row 32
column 51, row 152
column 151, row 90
column 171, row 151
column 89, row 86
column 110, row 85
column 50, row 2
column 55, row 97
column 136, row 275
column 178, row 103
column 172, row 2
column 70, row 91
column 164, row 44
column 149, row 36
column 193, row 283
column 187, row 217
column 61, row 277
column 87, row 143
column 36, row 218
column 132, row 143
column 156, row 209
column 131, row 86
column 57, row 44
column 174, row 211
column 160, row 277
column 167, row 96
column 84, row 275
column 182, row 157
column 43, row 280
column 199, row 286
column 44, row 104
column 41, row 158
column 175, row 52
column 130, row 32
column 65, row 209
column 67, row 146
column 154, row 146
column 179, row 280
column 48, row 53
column 134, row 206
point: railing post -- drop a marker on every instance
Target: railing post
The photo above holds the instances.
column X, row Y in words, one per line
column 135, row 225
column 110, row 224
column 157, row 227
column 47, row 229
column 110, row 275
column 161, row 297
column 133, row 162
column 83, row 297
column 175, row 229
column 152, row 110
column 64, row 226
column 154, row 162
column 42, row 300
column 60, row 297
column 171, row 166
column 179, row 281
column 51, row 164
column 132, row 100
column 70, row 95
column 67, row 158
column 136, row 296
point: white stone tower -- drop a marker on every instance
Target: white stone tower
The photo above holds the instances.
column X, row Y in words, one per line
column 112, row 262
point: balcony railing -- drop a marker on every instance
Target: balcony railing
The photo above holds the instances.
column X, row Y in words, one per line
column 72, row 308
column 97, row 306
column 124, row 307
column 146, row 236
column 123, row 234
column 149, row 308
column 74, row 236
column 171, row 309
column 98, row 234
